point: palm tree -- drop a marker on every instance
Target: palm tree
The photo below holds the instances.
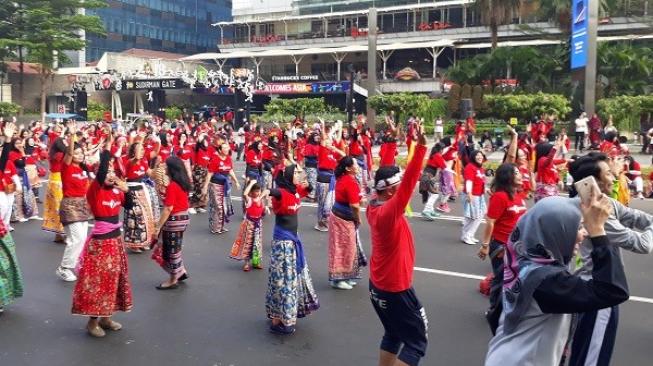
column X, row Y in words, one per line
column 497, row 12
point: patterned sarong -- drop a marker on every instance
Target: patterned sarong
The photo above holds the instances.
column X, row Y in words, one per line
column 346, row 255
column 220, row 207
column 11, row 278
column 167, row 253
column 249, row 241
column 545, row 190
column 139, row 220
column 74, row 209
column 53, row 196
column 200, row 196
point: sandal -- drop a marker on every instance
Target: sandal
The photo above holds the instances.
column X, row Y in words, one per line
column 110, row 325
column 246, row 268
column 171, row 287
column 258, row 266
column 96, row 331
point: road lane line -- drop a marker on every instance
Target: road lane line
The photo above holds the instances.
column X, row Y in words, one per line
column 470, row 276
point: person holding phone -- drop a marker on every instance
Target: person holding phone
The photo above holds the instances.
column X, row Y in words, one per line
column 626, row 228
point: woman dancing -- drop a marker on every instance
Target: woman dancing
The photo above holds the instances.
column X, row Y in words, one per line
column 174, row 221
column 248, row 246
column 103, row 285
column 220, row 206
column 290, row 293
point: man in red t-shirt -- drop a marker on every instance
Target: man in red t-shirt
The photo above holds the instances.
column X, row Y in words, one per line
column 392, row 261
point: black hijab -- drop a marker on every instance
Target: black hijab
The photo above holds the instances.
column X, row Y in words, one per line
column 285, row 179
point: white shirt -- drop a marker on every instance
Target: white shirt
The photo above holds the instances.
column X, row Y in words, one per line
column 240, row 136
column 581, row 124
column 439, row 127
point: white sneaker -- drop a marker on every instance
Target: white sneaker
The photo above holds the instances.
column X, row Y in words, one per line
column 476, row 241
column 320, row 228
column 352, row 283
column 37, row 218
column 11, row 228
column 192, row 211
column 341, row 285
column 640, row 196
column 201, row 210
column 23, row 219
column 66, row 274
column 467, row 241
column 427, row 215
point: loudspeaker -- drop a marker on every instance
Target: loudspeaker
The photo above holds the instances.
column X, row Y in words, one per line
column 466, row 108
column 81, row 104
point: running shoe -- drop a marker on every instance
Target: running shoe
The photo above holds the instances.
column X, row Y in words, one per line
column 66, row 274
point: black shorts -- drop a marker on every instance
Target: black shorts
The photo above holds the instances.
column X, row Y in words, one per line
column 404, row 321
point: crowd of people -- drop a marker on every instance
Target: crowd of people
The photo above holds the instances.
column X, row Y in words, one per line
column 142, row 184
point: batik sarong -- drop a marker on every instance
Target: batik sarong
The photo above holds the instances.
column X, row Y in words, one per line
column 290, row 293
column 25, row 201
column 74, row 209
column 53, row 196
column 167, row 252
column 11, row 278
column 311, row 177
column 139, row 221
column 346, row 255
column 200, row 196
column 249, row 241
column 545, row 190
column 220, row 207
column 103, row 286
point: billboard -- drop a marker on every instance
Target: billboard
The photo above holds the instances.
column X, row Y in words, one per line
column 579, row 39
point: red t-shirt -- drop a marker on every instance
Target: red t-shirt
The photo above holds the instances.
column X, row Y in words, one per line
column 104, row 202
column 393, row 250
column 311, row 150
column 289, row 203
column 185, row 152
column 7, row 174
column 221, row 165
column 255, row 209
column 136, row 170
column 505, row 212
column 355, row 148
column 547, row 172
column 202, row 158
column 347, row 190
column 525, row 179
column 56, row 162
column 476, row 175
column 164, row 153
column 252, row 158
column 387, row 154
column 74, row 181
column 436, row 161
column 326, row 159
column 176, row 197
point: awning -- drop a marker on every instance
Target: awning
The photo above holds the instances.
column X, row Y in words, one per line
column 544, row 42
column 315, row 51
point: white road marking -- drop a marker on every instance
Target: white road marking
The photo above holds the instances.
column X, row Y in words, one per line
column 478, row 277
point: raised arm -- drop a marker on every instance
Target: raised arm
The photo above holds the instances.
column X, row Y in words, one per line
column 511, row 156
column 68, row 157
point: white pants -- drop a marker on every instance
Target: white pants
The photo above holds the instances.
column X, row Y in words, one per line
column 430, row 203
column 470, row 226
column 638, row 183
column 75, row 238
column 6, row 205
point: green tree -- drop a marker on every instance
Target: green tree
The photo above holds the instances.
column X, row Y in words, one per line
column 49, row 28
column 624, row 68
column 495, row 13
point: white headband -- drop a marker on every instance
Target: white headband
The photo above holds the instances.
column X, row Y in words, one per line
column 388, row 182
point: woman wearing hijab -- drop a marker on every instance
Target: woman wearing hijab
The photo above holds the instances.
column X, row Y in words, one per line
column 539, row 293
column 290, row 293
column 200, row 197
column 311, row 152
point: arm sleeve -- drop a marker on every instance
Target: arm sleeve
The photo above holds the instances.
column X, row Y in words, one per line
column 397, row 204
column 566, row 293
column 496, row 207
column 620, row 231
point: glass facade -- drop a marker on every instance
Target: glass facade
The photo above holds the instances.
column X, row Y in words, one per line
column 178, row 26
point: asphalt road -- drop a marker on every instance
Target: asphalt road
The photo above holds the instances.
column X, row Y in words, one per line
column 218, row 317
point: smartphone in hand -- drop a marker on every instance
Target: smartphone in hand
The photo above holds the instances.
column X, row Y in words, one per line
column 587, row 188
